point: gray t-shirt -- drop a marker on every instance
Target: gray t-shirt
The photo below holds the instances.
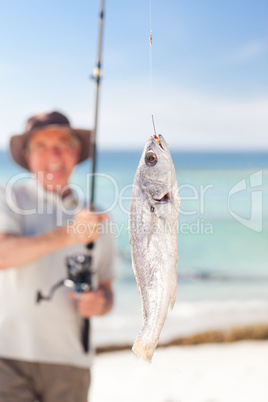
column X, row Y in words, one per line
column 48, row 331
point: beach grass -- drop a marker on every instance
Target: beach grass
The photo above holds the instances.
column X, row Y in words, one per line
column 250, row 332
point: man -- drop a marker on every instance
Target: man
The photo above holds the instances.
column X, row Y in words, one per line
column 42, row 222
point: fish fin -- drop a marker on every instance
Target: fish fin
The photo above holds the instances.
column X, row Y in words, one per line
column 142, row 350
column 173, row 297
column 153, row 219
column 138, row 284
column 149, row 238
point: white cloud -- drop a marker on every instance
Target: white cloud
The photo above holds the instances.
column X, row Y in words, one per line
column 188, row 120
column 249, row 51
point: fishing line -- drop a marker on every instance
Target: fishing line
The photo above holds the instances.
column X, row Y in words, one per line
column 151, row 66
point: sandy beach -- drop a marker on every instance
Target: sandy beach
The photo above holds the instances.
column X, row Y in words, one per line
column 219, row 372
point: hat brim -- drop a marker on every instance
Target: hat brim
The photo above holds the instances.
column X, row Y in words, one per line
column 18, row 143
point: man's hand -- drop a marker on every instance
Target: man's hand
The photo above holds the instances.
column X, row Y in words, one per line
column 85, row 227
column 16, row 251
column 95, row 303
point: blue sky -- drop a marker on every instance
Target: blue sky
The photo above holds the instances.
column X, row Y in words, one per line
column 209, row 63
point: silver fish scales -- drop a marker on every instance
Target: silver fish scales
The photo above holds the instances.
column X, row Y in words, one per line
column 153, row 224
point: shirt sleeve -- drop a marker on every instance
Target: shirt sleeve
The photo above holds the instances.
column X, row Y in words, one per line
column 105, row 254
column 9, row 219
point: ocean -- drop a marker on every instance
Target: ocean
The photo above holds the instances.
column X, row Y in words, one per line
column 223, row 233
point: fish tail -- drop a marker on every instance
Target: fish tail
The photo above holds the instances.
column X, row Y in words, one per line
column 142, row 348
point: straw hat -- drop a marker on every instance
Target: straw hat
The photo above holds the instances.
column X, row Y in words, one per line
column 43, row 121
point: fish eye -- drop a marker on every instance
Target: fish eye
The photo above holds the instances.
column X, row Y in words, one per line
column 150, row 158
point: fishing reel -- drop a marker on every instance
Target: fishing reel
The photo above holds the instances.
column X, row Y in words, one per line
column 80, row 280
column 79, row 276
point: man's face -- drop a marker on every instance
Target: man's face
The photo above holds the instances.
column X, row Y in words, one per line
column 52, row 155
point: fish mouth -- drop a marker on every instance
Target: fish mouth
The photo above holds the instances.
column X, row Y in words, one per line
column 163, row 200
column 158, row 141
column 161, row 142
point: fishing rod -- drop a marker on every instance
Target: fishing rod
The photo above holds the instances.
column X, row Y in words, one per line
column 97, row 77
column 79, row 267
column 93, row 152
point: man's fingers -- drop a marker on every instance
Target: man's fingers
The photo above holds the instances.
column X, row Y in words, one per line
column 86, row 226
column 102, row 217
column 91, row 303
column 75, row 296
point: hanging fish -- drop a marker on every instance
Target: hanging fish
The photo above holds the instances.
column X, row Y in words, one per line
column 153, row 224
